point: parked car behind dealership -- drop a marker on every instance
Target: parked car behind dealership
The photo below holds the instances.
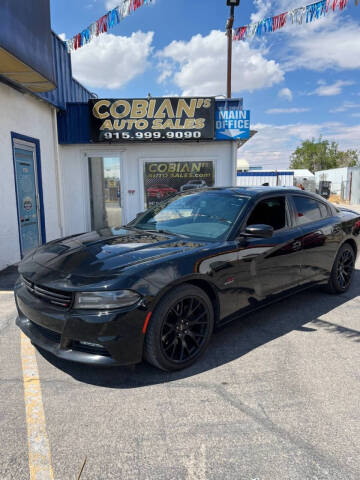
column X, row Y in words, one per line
column 192, row 184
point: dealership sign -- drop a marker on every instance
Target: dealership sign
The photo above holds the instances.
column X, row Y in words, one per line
column 152, row 119
column 232, row 124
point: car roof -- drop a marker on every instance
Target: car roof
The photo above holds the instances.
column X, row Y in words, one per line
column 254, row 191
column 263, row 190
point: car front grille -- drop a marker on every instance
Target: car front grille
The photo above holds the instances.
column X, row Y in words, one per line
column 55, row 297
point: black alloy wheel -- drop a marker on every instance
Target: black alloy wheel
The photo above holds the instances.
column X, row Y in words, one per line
column 343, row 269
column 184, row 329
column 180, row 328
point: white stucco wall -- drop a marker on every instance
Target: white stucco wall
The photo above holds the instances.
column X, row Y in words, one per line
column 75, row 177
column 355, row 188
column 25, row 115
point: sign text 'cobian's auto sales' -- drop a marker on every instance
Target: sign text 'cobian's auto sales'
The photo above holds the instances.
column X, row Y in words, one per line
column 152, row 119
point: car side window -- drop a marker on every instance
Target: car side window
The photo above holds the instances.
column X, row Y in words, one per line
column 271, row 211
column 307, row 210
column 324, row 210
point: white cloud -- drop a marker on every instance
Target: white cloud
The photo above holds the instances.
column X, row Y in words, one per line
column 262, row 8
column 345, row 106
column 275, row 111
column 273, row 145
column 198, row 67
column 336, row 88
column 111, row 61
column 62, row 36
column 267, row 8
column 286, row 93
column 110, row 4
column 329, row 42
column 347, row 136
column 166, row 69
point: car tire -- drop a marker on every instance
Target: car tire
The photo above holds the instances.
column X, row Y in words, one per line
column 180, row 326
column 342, row 271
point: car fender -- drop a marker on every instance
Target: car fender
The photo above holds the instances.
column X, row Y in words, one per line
column 352, row 241
column 202, row 281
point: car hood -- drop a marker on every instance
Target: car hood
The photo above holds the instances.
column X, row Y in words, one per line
column 104, row 252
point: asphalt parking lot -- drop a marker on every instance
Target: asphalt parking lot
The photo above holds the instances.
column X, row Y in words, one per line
column 275, row 397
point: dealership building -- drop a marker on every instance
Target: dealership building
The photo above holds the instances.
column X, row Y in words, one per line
column 72, row 162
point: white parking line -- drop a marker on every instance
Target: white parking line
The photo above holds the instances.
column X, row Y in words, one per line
column 38, row 443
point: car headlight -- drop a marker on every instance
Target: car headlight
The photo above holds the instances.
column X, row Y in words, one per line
column 106, row 300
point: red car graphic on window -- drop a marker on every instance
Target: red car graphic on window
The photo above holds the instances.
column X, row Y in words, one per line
column 160, row 191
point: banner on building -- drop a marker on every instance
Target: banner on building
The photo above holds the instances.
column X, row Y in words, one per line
column 153, row 119
column 164, row 179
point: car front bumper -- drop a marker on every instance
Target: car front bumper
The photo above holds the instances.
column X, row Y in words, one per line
column 106, row 338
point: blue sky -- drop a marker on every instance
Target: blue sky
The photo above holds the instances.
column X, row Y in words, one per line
column 300, row 82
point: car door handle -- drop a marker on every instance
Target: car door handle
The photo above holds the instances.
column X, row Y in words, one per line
column 297, row 245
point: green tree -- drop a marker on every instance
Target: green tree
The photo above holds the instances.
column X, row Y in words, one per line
column 322, row 155
column 350, row 158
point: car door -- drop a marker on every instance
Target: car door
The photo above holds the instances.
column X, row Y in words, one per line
column 320, row 236
column 270, row 266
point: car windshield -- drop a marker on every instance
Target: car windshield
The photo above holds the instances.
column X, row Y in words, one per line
column 205, row 215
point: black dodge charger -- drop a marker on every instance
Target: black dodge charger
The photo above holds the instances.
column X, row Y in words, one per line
column 157, row 288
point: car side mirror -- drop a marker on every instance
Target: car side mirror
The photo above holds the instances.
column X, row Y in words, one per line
column 258, row 231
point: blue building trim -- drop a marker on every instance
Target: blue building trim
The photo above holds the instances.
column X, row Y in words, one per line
column 68, row 89
column 74, row 124
column 36, row 142
column 263, row 173
column 26, row 34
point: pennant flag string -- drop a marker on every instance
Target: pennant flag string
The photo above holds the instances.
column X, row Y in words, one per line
column 105, row 23
column 300, row 15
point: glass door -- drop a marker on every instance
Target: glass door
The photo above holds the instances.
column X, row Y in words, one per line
column 27, row 197
column 105, row 192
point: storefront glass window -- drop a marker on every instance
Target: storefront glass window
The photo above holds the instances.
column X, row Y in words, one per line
column 105, row 192
column 164, row 179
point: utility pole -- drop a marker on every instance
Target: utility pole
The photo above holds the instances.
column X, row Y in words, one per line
column 229, row 26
